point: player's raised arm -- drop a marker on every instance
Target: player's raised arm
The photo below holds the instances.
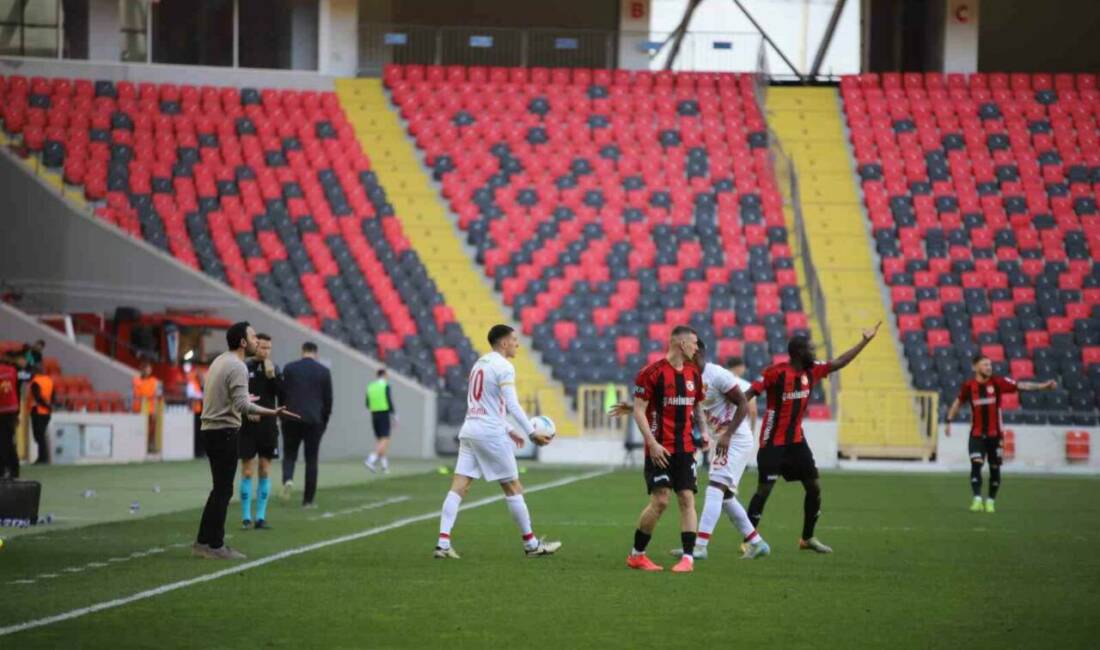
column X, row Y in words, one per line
column 1032, row 385
column 846, row 358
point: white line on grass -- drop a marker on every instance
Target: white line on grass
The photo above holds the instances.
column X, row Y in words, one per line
column 282, row 555
column 366, row 506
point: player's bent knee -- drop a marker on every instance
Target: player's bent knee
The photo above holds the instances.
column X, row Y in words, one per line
column 511, row 487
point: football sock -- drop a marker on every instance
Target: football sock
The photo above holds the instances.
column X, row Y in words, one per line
column 687, row 539
column 447, row 518
column 756, row 509
column 994, row 481
column 712, row 511
column 246, row 499
column 976, row 479
column 385, row 463
column 261, row 500
column 372, row 459
column 518, row 507
column 641, row 540
column 736, row 513
column 811, row 510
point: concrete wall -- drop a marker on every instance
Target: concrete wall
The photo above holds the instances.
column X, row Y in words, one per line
column 960, row 36
column 1037, row 448
column 339, row 37
column 68, row 263
column 166, row 73
column 105, row 373
column 104, row 35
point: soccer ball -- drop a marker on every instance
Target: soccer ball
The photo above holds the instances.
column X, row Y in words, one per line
column 544, row 426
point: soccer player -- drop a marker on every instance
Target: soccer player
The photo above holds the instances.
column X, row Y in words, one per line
column 723, row 400
column 382, row 414
column 259, row 436
column 783, row 448
column 484, row 449
column 667, row 393
column 983, row 393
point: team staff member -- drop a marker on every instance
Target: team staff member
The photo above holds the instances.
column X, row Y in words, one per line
column 783, row 447
column 307, row 386
column 226, row 399
column 41, row 410
column 9, row 417
column 382, row 415
column 259, row 436
column 146, row 391
column 667, row 393
column 983, row 392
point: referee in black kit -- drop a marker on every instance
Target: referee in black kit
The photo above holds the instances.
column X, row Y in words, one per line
column 307, row 387
column 260, row 436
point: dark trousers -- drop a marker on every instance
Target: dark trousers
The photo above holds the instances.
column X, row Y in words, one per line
column 39, row 423
column 294, row 434
column 221, row 451
column 9, row 457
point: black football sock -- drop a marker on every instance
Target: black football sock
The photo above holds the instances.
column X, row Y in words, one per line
column 994, row 481
column 811, row 510
column 976, row 479
column 687, row 538
column 756, row 509
column 641, row 540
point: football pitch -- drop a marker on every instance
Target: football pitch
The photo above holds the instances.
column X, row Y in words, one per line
column 912, row 569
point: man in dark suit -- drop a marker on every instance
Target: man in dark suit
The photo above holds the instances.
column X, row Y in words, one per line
column 307, row 387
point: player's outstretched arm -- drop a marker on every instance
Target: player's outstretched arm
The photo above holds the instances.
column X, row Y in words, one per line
column 1031, row 385
column 951, row 413
column 846, row 358
column 621, row 409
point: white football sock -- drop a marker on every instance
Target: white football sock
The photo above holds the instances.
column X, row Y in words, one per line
column 739, row 517
column 372, row 458
column 518, row 507
column 447, row 518
column 385, row 463
column 712, row 512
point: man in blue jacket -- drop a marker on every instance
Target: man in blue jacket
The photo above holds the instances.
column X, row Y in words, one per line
column 307, row 387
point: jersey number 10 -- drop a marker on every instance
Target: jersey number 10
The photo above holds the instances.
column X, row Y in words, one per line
column 477, row 384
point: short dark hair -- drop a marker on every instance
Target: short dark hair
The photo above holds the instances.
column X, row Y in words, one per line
column 682, row 329
column 702, row 345
column 497, row 332
column 381, row 372
column 733, row 362
column 796, row 345
column 309, row 346
column 263, row 336
column 236, row 333
column 41, row 342
column 977, row 358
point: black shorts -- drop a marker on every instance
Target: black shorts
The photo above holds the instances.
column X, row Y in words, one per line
column 381, row 423
column 678, row 475
column 982, row 448
column 253, row 442
column 792, row 462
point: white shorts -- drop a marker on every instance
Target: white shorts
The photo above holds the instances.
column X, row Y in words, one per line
column 493, row 459
column 727, row 471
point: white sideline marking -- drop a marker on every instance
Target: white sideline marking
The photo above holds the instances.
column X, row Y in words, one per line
column 282, row 555
column 366, row 506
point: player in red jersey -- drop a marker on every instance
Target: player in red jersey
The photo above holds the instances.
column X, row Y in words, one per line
column 668, row 393
column 783, row 449
column 983, row 393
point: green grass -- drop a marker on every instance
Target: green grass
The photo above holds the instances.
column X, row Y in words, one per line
column 912, row 569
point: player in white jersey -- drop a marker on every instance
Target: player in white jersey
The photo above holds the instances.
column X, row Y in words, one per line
column 723, row 396
column 724, row 390
column 486, row 441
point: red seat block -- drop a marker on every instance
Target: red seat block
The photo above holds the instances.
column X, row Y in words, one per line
column 1077, row 446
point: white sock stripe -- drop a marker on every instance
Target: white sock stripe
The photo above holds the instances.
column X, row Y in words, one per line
column 282, row 555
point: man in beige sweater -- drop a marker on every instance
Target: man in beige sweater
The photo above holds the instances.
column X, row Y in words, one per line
column 225, row 400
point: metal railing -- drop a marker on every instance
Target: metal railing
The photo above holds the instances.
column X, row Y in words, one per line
column 594, row 419
column 385, row 43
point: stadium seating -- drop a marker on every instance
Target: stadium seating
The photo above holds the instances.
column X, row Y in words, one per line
column 608, row 206
column 73, row 392
column 265, row 190
column 982, row 196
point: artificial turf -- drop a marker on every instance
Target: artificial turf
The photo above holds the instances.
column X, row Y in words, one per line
column 912, row 568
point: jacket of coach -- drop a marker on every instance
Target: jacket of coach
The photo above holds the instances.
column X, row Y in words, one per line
column 307, row 387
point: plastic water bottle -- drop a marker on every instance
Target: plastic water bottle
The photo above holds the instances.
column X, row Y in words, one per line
column 134, row 507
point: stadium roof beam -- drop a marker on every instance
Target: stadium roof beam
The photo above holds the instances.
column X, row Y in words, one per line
column 768, row 39
column 827, row 39
column 677, row 35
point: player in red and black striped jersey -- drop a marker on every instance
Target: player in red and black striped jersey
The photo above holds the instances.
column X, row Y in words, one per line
column 668, row 394
column 983, row 393
column 783, row 450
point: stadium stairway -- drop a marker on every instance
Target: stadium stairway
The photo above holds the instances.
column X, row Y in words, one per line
column 430, row 230
column 877, row 414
